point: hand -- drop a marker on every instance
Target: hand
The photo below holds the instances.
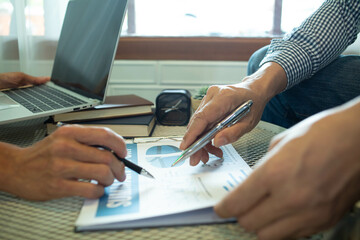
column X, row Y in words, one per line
column 306, row 182
column 51, row 168
column 17, row 79
column 222, row 100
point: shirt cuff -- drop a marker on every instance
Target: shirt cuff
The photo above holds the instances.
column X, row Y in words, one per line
column 294, row 60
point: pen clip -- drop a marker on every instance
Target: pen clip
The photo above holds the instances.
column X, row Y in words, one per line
column 236, row 120
column 236, row 115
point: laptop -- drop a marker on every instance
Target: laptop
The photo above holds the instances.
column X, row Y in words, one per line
column 82, row 65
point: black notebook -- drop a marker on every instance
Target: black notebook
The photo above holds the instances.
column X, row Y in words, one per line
column 135, row 126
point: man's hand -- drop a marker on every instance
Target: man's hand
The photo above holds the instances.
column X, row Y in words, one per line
column 51, row 168
column 306, row 182
column 223, row 99
column 18, row 79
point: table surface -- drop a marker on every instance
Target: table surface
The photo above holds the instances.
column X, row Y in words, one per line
column 21, row 219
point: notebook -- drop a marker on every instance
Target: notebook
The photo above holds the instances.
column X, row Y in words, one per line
column 82, row 65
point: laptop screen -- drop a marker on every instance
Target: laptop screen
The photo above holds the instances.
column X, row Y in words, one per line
column 87, row 46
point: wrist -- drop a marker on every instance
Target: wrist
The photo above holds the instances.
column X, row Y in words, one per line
column 269, row 80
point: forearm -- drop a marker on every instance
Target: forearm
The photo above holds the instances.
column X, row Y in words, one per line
column 318, row 41
column 7, row 158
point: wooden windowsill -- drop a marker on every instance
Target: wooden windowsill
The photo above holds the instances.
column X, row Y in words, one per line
column 163, row 48
column 189, row 48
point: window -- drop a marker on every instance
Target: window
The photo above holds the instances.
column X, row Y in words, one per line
column 168, row 29
column 225, row 18
column 207, row 29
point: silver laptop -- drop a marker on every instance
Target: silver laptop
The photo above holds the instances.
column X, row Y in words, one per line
column 82, row 66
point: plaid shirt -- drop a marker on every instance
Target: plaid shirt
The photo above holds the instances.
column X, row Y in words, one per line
column 318, row 41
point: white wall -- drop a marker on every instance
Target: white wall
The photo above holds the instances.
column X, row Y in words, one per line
column 148, row 78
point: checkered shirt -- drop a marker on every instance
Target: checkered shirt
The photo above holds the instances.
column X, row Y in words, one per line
column 319, row 40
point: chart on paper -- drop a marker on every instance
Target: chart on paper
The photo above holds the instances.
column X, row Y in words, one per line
column 175, row 189
column 162, row 156
column 233, row 179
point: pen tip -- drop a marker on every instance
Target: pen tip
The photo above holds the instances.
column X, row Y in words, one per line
column 147, row 174
column 177, row 160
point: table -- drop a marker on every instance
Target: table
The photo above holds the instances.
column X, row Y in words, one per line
column 22, row 219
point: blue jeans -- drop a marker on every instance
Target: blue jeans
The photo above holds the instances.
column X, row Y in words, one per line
column 332, row 86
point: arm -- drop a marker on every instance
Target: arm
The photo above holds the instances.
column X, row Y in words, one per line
column 52, row 167
column 288, row 61
column 306, row 182
column 318, row 41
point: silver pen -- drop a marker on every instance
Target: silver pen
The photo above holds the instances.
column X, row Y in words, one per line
column 230, row 120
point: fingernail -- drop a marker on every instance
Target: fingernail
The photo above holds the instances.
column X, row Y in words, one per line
column 123, row 177
column 220, row 142
column 194, row 162
column 181, row 145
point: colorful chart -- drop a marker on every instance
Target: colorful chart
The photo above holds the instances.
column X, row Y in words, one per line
column 163, row 156
column 234, row 179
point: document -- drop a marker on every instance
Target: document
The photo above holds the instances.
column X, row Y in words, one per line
column 179, row 195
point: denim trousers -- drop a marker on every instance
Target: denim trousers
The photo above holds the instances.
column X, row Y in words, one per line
column 331, row 86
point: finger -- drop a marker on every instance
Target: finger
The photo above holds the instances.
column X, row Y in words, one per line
column 71, row 149
column 85, row 153
column 247, row 195
column 70, row 169
column 81, row 189
column 265, row 212
column 195, row 129
column 203, row 154
column 201, row 105
column 95, row 136
column 116, row 165
column 208, row 113
column 198, row 156
column 28, row 79
column 299, row 224
column 214, row 150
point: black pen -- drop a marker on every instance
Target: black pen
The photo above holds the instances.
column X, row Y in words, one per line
column 126, row 162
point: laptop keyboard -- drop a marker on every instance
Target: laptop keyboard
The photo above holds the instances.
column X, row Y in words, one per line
column 42, row 98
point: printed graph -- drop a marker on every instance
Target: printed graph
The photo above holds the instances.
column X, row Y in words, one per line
column 234, row 179
column 163, row 156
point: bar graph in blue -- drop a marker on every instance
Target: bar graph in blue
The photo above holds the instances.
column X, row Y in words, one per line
column 234, row 179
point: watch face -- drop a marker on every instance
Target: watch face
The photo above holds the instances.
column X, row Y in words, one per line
column 173, row 107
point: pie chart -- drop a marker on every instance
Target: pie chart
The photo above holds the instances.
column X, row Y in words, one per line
column 163, row 156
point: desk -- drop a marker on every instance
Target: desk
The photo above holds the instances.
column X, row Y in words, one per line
column 21, row 219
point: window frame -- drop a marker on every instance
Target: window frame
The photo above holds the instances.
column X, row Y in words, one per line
column 189, row 48
column 192, row 48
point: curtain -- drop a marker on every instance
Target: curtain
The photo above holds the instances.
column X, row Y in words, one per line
column 29, row 30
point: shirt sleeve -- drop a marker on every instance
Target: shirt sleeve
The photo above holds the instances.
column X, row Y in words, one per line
column 318, row 41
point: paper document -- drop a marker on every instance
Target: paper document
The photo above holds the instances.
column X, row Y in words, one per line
column 179, row 195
